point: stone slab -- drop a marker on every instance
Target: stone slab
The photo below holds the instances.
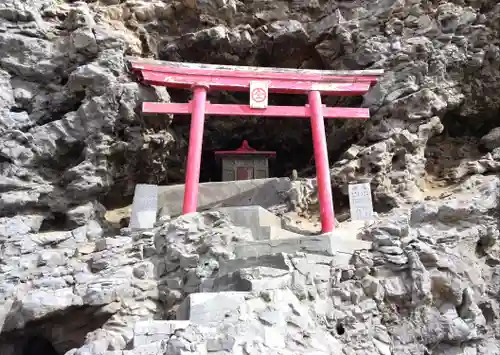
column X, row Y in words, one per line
column 208, row 308
column 325, row 244
column 254, row 279
column 151, row 331
column 144, row 206
column 155, row 348
column 342, row 259
column 316, row 265
column 360, row 202
column 259, row 192
column 254, row 218
column 271, row 271
column 276, row 261
column 273, row 232
column 267, row 283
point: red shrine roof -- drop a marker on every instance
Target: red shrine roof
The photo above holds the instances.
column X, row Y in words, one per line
column 245, row 149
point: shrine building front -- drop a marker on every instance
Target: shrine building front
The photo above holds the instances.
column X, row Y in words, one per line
column 244, row 163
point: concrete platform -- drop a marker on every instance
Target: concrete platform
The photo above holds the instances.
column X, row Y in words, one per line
column 263, row 224
column 209, row 308
column 325, row 244
column 257, row 219
column 259, row 192
column 151, row 331
column 276, row 261
column 255, row 279
column 271, row 239
column 273, row 232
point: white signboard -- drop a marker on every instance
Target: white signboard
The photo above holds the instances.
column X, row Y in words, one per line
column 360, row 201
column 258, row 94
column 144, row 206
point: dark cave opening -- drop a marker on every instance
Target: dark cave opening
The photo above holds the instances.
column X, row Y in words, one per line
column 290, row 138
column 458, row 143
column 56, row 221
column 293, row 150
column 456, row 125
column 340, row 328
column 66, row 156
column 37, row 345
column 52, row 335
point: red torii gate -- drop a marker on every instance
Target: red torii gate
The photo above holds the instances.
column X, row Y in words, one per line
column 203, row 77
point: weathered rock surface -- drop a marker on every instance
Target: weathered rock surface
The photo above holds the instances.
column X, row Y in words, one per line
column 427, row 283
column 72, row 140
column 70, row 127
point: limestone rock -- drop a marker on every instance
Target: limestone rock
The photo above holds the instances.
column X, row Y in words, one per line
column 73, row 140
column 492, row 139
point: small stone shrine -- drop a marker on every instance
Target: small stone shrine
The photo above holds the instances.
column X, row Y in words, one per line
column 244, row 163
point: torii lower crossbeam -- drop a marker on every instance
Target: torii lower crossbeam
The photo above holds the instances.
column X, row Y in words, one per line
column 246, row 110
column 202, row 77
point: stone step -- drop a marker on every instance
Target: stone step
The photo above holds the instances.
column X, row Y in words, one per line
column 155, row 348
column 261, row 192
column 266, row 264
column 255, row 218
column 150, row 331
column 277, row 261
column 274, row 232
column 325, row 244
column 271, row 271
column 210, row 308
column 255, row 279
column 262, row 265
column 151, row 336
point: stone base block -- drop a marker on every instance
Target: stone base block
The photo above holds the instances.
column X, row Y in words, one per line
column 150, row 331
column 261, row 192
column 209, row 308
column 276, row 261
column 326, row 244
column 156, row 348
column 273, row 232
column 254, row 218
column 254, row 279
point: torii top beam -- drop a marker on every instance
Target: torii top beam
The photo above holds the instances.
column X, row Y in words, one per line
column 238, row 78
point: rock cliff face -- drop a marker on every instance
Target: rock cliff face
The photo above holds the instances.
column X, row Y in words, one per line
column 72, row 139
column 71, row 132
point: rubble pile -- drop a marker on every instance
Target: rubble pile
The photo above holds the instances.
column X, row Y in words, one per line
column 73, row 143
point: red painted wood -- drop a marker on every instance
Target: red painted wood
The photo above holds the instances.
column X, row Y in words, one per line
column 244, row 173
column 245, row 149
column 194, row 150
column 246, row 110
column 285, row 86
column 321, row 161
column 259, row 73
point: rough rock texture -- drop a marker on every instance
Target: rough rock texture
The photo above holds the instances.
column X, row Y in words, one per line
column 71, row 132
column 72, row 139
column 68, row 109
column 428, row 283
